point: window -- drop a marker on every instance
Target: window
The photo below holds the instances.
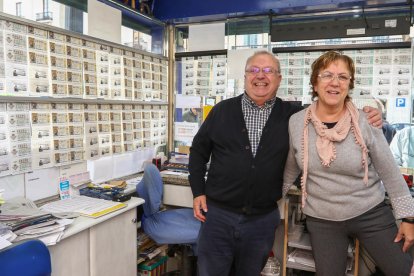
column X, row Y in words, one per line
column 137, row 37
column 19, row 9
column 45, row 6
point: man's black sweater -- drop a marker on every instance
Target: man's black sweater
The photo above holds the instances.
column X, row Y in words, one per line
column 236, row 180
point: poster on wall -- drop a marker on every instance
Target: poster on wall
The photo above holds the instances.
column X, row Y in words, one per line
column 398, row 110
column 185, row 132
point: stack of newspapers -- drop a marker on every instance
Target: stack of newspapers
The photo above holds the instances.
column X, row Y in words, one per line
column 20, row 219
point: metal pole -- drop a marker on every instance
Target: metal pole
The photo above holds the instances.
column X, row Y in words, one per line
column 171, row 86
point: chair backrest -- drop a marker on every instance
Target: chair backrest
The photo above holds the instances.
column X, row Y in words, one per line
column 151, row 189
column 28, row 257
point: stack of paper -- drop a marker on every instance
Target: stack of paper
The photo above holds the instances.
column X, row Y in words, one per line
column 50, row 232
column 85, row 206
column 6, row 235
column 147, row 248
column 1, row 196
column 26, row 221
column 303, row 257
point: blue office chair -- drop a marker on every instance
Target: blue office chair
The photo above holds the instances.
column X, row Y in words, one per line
column 25, row 258
column 174, row 226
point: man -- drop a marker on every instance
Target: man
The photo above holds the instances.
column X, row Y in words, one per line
column 402, row 147
column 247, row 139
column 191, row 116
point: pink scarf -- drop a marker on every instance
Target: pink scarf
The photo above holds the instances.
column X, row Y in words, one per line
column 325, row 145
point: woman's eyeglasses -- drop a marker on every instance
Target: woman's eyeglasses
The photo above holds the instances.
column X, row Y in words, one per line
column 328, row 77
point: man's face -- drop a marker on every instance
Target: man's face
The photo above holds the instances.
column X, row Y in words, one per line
column 261, row 86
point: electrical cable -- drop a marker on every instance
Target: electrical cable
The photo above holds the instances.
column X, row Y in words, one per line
column 365, row 18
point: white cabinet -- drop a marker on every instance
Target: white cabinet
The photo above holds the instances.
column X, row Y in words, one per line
column 103, row 246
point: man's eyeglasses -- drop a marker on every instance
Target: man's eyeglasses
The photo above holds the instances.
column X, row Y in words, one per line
column 328, row 77
column 256, row 70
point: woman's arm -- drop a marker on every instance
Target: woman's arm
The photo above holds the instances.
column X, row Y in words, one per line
column 292, row 169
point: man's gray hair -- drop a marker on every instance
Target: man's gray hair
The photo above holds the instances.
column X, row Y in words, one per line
column 263, row 52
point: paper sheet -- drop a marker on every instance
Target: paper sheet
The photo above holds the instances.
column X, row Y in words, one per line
column 4, row 243
column 42, row 183
column 206, row 37
column 86, row 206
column 236, row 61
column 187, row 101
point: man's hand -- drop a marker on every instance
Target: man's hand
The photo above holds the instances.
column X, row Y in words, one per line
column 374, row 116
column 406, row 232
column 200, row 206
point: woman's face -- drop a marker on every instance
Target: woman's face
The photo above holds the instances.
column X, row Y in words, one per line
column 332, row 85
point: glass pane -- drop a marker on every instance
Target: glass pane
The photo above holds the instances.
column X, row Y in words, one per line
column 51, row 13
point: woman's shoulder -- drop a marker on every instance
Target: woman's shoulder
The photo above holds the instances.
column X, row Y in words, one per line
column 298, row 116
column 296, row 121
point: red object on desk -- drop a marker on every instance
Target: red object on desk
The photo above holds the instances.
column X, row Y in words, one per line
column 157, row 162
column 409, row 179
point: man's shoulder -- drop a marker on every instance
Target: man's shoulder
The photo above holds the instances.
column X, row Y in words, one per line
column 290, row 107
column 234, row 101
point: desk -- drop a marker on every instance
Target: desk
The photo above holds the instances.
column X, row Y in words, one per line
column 177, row 190
column 102, row 246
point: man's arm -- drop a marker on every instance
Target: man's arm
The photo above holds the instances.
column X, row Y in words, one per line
column 373, row 114
column 200, row 153
column 200, row 207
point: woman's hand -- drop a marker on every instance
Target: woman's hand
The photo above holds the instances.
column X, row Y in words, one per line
column 406, row 232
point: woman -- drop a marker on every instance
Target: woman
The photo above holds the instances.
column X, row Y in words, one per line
column 343, row 161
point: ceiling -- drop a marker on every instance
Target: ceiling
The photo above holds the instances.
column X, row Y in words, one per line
column 192, row 11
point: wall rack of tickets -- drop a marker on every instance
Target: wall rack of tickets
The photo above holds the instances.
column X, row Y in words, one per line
column 65, row 97
column 40, row 135
column 380, row 73
column 40, row 63
column 203, row 75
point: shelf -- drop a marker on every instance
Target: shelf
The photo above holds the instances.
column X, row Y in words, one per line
column 294, row 265
column 299, row 239
column 179, row 56
column 16, row 99
column 304, row 257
